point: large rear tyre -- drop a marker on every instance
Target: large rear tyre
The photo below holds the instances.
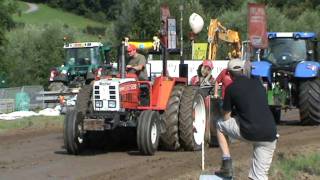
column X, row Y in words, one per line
column 192, row 119
column 74, row 138
column 170, row 138
column 148, row 132
column 57, row 86
column 309, row 100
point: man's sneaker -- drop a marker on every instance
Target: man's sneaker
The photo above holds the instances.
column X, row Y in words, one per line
column 226, row 169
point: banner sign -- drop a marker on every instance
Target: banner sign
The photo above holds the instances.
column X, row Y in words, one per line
column 257, row 25
column 199, row 51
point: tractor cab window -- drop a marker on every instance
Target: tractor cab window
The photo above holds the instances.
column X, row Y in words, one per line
column 95, row 55
column 82, row 56
column 286, row 51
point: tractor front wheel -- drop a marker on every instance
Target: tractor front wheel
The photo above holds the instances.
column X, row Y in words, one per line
column 309, row 99
column 192, row 119
column 74, row 137
column 148, row 132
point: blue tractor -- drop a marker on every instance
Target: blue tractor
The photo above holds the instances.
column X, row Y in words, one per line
column 289, row 70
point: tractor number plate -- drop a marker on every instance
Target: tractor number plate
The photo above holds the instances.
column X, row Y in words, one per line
column 93, row 124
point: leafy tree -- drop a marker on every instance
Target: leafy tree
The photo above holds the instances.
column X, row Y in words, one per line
column 6, row 23
column 141, row 20
column 33, row 51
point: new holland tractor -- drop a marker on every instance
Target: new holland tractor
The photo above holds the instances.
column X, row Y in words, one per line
column 290, row 71
column 82, row 62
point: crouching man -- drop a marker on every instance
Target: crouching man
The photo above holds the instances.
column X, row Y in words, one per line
column 253, row 123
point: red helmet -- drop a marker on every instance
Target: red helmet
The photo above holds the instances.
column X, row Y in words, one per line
column 131, row 47
column 207, row 63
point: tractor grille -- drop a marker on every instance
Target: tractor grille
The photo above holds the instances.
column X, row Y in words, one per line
column 112, row 92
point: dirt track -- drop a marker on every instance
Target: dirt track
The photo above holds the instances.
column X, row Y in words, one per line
column 39, row 155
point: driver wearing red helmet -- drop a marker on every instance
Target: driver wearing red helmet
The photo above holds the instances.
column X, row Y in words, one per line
column 204, row 77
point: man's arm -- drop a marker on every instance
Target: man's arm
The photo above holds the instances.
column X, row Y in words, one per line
column 217, row 82
column 227, row 104
column 226, row 115
column 216, row 89
column 137, row 68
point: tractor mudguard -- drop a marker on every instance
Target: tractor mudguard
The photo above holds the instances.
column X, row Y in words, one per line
column 307, row 69
column 261, row 69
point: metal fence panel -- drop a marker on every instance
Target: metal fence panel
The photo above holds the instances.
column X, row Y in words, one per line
column 8, row 98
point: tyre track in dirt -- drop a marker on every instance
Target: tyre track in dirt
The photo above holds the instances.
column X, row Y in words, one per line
column 39, row 155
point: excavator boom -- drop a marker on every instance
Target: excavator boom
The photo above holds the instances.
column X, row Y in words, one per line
column 218, row 32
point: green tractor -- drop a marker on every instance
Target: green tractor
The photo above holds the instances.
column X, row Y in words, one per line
column 83, row 62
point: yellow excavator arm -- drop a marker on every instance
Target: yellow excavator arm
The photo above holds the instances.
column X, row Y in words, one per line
column 218, row 32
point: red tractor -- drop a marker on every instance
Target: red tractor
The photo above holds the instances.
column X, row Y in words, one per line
column 164, row 110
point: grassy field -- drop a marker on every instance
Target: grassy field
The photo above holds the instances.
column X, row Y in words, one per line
column 306, row 166
column 22, row 6
column 46, row 14
column 36, row 122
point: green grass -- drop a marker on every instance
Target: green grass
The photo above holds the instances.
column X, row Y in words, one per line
column 289, row 168
column 46, row 14
column 37, row 122
column 22, row 6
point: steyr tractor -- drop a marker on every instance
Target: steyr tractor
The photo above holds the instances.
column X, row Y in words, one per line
column 289, row 69
column 164, row 110
column 82, row 62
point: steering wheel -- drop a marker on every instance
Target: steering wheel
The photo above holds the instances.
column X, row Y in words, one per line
column 285, row 57
column 131, row 70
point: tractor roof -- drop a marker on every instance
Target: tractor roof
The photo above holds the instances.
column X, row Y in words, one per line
column 83, row 45
column 296, row 35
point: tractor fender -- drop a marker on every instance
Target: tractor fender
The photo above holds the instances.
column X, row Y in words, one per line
column 261, row 69
column 307, row 69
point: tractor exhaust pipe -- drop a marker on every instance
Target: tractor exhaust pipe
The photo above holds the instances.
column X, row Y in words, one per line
column 164, row 60
column 123, row 62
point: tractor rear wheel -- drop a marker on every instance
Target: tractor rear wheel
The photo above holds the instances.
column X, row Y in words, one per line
column 148, row 132
column 192, row 119
column 170, row 138
column 57, row 86
column 309, row 99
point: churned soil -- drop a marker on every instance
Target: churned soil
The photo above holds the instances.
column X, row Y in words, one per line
column 39, row 154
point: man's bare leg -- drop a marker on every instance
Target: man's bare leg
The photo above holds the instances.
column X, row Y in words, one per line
column 226, row 166
column 223, row 143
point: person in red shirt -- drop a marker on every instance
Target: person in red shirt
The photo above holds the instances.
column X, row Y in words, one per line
column 204, row 76
column 225, row 79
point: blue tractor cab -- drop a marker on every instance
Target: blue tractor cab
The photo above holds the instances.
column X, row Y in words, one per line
column 289, row 69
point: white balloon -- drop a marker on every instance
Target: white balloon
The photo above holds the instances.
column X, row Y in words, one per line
column 196, row 23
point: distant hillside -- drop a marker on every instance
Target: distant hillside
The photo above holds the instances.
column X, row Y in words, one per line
column 47, row 15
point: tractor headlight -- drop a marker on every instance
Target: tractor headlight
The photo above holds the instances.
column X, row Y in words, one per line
column 99, row 103
column 111, row 104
